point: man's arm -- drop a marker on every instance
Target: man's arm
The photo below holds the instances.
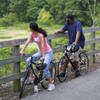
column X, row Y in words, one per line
column 65, row 27
column 59, row 31
column 79, row 30
column 77, row 37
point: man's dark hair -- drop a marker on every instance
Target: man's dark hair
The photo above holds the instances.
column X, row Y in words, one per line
column 70, row 16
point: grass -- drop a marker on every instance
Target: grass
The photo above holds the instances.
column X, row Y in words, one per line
column 21, row 30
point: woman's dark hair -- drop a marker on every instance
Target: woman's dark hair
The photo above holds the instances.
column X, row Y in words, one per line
column 34, row 26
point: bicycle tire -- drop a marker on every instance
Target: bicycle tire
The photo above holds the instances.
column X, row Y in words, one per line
column 44, row 82
column 23, row 85
column 62, row 65
column 83, row 62
column 52, row 70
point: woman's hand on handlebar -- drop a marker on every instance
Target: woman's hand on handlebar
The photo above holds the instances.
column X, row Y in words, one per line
column 21, row 52
column 42, row 58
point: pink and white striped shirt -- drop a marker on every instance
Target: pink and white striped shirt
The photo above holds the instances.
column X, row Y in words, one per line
column 37, row 39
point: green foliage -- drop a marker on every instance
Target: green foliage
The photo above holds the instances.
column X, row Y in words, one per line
column 5, row 53
column 19, row 7
column 34, row 8
column 28, row 10
column 8, row 20
column 4, row 5
column 56, row 8
column 45, row 17
column 59, row 9
column 97, row 18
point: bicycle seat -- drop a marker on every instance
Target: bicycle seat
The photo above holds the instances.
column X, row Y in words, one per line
column 72, row 48
column 41, row 66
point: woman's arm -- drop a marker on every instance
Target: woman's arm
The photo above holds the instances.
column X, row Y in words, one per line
column 42, row 45
column 26, row 44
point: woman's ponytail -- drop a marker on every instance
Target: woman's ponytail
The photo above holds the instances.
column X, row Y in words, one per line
column 34, row 26
column 40, row 30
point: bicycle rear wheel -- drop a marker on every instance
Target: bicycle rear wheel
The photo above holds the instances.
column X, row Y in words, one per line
column 23, row 84
column 62, row 69
column 83, row 62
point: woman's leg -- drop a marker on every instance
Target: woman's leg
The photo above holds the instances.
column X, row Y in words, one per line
column 28, row 61
column 35, row 57
column 48, row 58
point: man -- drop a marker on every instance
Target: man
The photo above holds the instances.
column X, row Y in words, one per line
column 75, row 35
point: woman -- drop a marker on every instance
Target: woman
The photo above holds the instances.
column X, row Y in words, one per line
column 45, row 52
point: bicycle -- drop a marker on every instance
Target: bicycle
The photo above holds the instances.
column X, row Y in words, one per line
column 40, row 77
column 68, row 58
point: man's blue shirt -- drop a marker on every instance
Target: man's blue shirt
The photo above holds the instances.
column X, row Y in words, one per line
column 72, row 31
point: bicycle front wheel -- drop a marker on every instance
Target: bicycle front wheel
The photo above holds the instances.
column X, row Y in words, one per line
column 23, row 84
column 62, row 69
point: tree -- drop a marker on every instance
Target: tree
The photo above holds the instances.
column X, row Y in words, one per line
column 4, row 5
column 56, row 8
column 79, row 8
column 34, row 8
column 20, row 8
column 45, row 17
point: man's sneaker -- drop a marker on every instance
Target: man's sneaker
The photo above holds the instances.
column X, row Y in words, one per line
column 29, row 81
column 35, row 89
column 51, row 87
column 77, row 73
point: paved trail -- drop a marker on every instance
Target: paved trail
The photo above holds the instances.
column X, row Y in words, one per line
column 82, row 88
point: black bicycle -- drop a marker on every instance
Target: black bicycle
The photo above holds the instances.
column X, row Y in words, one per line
column 39, row 77
column 69, row 58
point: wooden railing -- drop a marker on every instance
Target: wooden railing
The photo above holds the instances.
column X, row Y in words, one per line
column 15, row 59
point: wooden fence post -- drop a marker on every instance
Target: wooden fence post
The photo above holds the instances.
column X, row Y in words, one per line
column 50, row 42
column 16, row 68
column 93, row 46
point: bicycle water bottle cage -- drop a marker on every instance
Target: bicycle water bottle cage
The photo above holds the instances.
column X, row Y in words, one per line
column 41, row 66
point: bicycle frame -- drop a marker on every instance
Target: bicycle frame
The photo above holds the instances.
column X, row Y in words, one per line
column 33, row 71
column 69, row 60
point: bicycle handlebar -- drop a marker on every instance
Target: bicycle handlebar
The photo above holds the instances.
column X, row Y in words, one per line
column 40, row 61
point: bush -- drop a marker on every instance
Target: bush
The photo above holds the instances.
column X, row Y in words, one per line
column 45, row 17
column 8, row 20
column 97, row 20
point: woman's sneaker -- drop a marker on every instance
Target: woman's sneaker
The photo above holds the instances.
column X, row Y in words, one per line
column 51, row 87
column 35, row 89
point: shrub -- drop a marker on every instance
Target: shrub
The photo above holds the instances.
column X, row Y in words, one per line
column 45, row 17
column 97, row 20
column 8, row 20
